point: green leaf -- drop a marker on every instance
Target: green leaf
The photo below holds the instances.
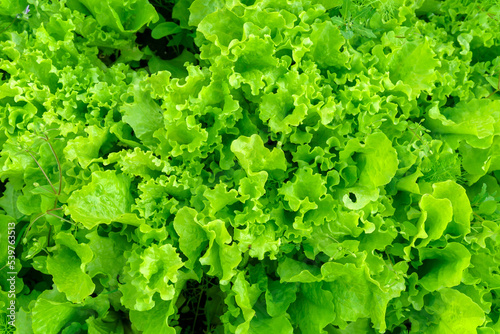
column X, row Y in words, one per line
column 137, row 162
column 304, row 191
column 294, row 271
column 329, row 4
column 462, row 210
column 363, row 31
column 105, row 199
column 99, row 326
column 112, row 13
column 279, row 110
column 221, row 27
column 192, row 238
column 184, row 136
column 436, row 214
column 13, row 8
column 199, row 9
column 108, row 257
column 346, row 9
column 52, row 311
column 165, row 29
column 85, row 149
column 454, row 312
column 174, row 67
column 348, row 283
column 159, row 267
column 376, row 159
column 219, row 197
column 220, row 256
column 50, row 316
column 297, row 166
column 245, row 296
column 414, row 64
column 278, row 325
column 443, row 268
column 255, row 64
column 313, row 308
column 362, row 197
column 68, row 267
column 409, row 182
column 467, row 118
column 254, row 157
column 361, row 326
column 327, row 41
column 486, row 269
column 155, row 320
column 181, row 12
column 149, row 272
column 143, row 115
column 259, row 237
column 8, row 202
column 279, row 296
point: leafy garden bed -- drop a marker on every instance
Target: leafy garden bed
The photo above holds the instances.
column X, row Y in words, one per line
column 250, row 166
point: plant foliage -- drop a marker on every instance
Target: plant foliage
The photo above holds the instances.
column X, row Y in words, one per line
column 251, row 166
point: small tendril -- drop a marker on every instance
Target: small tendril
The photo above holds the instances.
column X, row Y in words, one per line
column 18, row 16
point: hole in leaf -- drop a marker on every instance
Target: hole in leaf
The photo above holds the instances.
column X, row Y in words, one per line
column 352, row 197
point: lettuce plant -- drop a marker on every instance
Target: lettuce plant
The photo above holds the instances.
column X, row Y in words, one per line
column 251, row 166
